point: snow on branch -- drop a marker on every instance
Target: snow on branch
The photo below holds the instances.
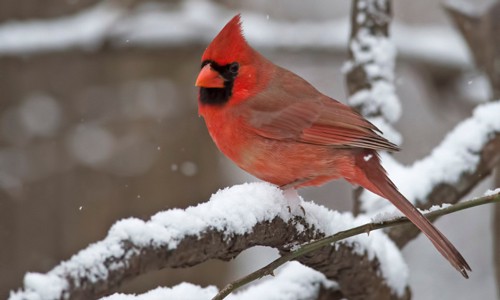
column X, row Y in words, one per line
column 234, row 219
column 465, row 157
column 188, row 22
column 293, row 282
column 370, row 69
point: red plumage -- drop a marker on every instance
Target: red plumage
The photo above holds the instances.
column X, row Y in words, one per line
column 278, row 127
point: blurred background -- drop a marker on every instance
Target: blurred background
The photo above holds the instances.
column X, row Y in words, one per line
column 98, row 121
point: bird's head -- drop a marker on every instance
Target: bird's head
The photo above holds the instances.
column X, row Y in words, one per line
column 229, row 67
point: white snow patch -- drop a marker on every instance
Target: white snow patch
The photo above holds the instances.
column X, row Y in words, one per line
column 293, row 281
column 380, row 98
column 46, row 286
column 492, row 192
column 394, row 213
column 376, row 52
column 435, row 207
column 183, row 291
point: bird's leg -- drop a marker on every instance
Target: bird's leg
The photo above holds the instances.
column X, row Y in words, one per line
column 292, row 196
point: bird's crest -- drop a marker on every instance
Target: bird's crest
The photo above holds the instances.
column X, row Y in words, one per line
column 229, row 45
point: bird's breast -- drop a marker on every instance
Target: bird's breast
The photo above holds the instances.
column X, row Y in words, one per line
column 277, row 161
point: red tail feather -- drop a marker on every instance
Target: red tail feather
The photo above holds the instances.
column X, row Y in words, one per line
column 371, row 175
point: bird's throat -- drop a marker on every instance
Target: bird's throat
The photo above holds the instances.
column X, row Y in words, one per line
column 216, row 96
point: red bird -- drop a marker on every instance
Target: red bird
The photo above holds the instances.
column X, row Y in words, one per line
column 278, row 127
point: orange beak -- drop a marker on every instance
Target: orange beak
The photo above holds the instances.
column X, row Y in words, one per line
column 209, row 78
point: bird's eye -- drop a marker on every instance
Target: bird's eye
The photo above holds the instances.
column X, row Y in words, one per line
column 234, row 67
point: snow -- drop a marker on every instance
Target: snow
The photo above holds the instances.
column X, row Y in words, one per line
column 381, row 97
column 394, row 213
column 292, row 281
column 392, row 265
column 49, row 286
column 492, row 192
column 183, row 291
column 376, row 52
column 153, row 25
column 379, row 102
column 459, row 152
column 234, row 210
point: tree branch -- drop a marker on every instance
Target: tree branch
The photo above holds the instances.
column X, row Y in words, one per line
column 366, row 228
column 233, row 220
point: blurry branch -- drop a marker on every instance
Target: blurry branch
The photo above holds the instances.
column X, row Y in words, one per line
column 184, row 238
column 481, row 31
column 370, row 69
column 366, row 228
column 359, row 77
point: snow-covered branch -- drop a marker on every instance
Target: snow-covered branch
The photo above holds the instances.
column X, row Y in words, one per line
column 233, row 220
column 466, row 156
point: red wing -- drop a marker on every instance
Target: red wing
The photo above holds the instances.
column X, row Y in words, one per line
column 317, row 120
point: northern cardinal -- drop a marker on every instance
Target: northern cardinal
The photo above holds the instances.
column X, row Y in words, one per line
column 278, row 127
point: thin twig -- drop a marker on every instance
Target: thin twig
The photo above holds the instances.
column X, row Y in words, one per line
column 366, row 228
